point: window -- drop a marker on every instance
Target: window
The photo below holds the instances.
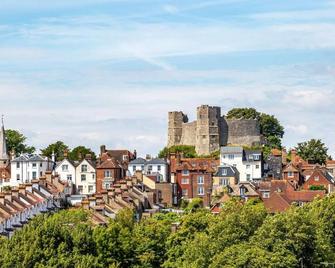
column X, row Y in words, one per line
column 18, row 177
column 251, row 157
column 290, row 174
column 83, row 177
column 34, row 165
column 242, row 191
column 107, row 174
column 142, row 167
column 234, row 165
column 201, row 190
column 93, row 176
column 248, row 167
column 316, row 178
column 41, row 173
column 266, row 195
column 69, row 177
column 34, row 175
column 159, row 168
column 185, row 172
column 125, row 157
column 223, row 182
column 257, row 157
column 231, row 157
column 150, row 167
column 184, row 193
column 41, row 164
column 90, row 188
column 80, row 189
column 106, row 185
column 248, row 177
column 257, row 166
column 134, row 168
column 83, row 168
column 18, row 165
column 224, row 172
column 184, row 181
column 65, row 168
column 200, row 179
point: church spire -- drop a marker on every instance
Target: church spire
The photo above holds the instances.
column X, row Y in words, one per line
column 4, row 158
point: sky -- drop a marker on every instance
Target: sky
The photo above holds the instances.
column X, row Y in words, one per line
column 95, row 72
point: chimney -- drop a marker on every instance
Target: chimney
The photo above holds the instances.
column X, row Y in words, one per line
column 293, row 155
column 35, row 184
column 135, row 154
column 148, row 157
column 104, row 194
column 2, row 198
column 15, row 192
column 85, row 204
column 92, row 201
column 22, row 189
column 284, row 156
column 29, row 187
column 43, row 181
column 48, row 176
column 88, row 157
column 8, row 196
column 102, row 149
column 66, row 153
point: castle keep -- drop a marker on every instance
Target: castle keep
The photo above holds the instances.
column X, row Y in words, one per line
column 211, row 130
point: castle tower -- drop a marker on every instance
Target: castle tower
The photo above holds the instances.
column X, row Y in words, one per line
column 175, row 132
column 4, row 158
column 208, row 129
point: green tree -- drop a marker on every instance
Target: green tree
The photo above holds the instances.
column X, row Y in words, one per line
column 243, row 113
column 58, row 148
column 187, row 150
column 313, row 151
column 80, row 152
column 16, row 142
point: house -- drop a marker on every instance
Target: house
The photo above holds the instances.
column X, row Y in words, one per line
column 226, row 175
column 66, row 170
column 85, row 178
column 273, row 164
column 155, row 166
column 123, row 156
column 330, row 165
column 293, row 174
column 249, row 163
column 320, row 179
column 279, row 195
column 109, row 171
column 28, row 167
column 193, row 177
column 21, row 204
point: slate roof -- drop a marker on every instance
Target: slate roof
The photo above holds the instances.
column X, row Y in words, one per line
column 231, row 171
column 231, row 150
column 29, row 158
column 157, row 161
column 138, row 161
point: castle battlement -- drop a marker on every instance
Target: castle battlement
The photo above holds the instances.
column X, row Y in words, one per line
column 211, row 130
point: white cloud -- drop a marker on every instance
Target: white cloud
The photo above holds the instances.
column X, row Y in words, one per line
column 299, row 129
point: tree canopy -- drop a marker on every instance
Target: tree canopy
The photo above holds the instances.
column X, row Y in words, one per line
column 187, row 150
column 313, row 151
column 16, row 142
column 58, row 148
column 241, row 235
column 80, row 152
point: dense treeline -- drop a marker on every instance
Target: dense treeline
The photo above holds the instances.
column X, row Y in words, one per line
column 242, row 235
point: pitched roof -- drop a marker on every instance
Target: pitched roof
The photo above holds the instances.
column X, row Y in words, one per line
column 138, row 161
column 194, row 164
column 231, row 150
column 157, row 161
column 109, row 163
column 226, row 171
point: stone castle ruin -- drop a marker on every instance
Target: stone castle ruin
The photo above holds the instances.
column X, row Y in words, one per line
column 211, row 130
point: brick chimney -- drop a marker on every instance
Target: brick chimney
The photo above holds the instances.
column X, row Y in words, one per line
column 22, row 189
column 284, row 156
column 15, row 192
column 29, row 187
column 293, row 155
column 102, row 149
column 8, row 196
column 88, row 157
column 48, row 176
column 2, row 198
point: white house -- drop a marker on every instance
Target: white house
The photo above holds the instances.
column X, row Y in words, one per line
column 66, row 170
column 249, row 163
column 85, row 179
column 27, row 167
column 150, row 167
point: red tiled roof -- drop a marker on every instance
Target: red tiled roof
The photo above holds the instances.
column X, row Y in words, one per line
column 109, row 163
column 204, row 164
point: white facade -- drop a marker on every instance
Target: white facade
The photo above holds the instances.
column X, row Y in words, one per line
column 85, row 179
column 247, row 162
column 66, row 171
column 148, row 167
column 27, row 167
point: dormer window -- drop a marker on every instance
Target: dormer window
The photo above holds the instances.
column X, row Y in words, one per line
column 266, row 195
column 224, row 172
column 185, row 172
column 257, row 157
column 290, row 174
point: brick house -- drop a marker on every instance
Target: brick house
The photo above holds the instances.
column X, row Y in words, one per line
column 193, row 177
column 320, row 178
column 108, row 172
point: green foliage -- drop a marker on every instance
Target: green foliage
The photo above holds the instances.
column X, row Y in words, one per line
column 58, row 148
column 242, row 235
column 270, row 126
column 16, row 142
column 243, row 113
column 187, row 150
column 194, row 205
column 80, row 152
column 313, row 151
column 317, row 187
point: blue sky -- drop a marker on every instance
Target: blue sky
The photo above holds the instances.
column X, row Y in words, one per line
column 97, row 72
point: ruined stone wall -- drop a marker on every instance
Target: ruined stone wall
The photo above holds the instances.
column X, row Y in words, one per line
column 188, row 136
column 243, row 132
column 211, row 130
